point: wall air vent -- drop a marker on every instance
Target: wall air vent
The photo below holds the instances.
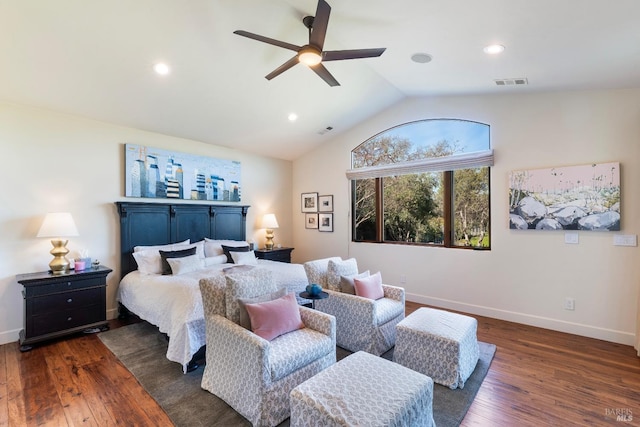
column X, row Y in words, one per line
column 511, row 82
column 325, row 130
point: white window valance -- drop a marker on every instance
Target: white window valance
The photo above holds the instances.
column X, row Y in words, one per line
column 433, row 164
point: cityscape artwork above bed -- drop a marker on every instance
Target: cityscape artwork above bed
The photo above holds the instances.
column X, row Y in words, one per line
column 584, row 197
column 162, row 174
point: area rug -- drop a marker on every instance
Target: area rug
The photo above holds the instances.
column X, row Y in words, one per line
column 142, row 349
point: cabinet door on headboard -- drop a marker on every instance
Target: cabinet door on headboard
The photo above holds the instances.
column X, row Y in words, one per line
column 229, row 222
column 190, row 222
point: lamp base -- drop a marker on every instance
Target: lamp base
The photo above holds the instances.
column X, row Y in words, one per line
column 269, row 243
column 59, row 264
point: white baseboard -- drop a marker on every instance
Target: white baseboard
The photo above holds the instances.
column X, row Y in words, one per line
column 9, row 336
column 611, row 335
column 112, row 313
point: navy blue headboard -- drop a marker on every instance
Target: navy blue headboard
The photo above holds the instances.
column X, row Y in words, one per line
column 145, row 224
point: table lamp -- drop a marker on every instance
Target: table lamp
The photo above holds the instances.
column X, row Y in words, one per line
column 58, row 225
column 269, row 222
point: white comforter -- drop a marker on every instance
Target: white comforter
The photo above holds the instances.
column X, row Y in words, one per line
column 174, row 304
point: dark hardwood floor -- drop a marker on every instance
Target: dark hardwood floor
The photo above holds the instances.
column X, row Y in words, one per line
column 538, row 378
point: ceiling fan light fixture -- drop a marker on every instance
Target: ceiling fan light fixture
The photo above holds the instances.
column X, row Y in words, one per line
column 309, row 56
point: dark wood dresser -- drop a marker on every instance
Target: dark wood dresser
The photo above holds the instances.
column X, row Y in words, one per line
column 57, row 305
column 275, row 254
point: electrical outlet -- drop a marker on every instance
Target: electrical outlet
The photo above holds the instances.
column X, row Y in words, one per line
column 569, row 304
column 403, row 279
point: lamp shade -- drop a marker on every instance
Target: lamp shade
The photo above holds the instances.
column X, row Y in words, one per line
column 269, row 221
column 58, row 224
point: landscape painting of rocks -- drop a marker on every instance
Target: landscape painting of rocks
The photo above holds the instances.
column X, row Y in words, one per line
column 585, row 197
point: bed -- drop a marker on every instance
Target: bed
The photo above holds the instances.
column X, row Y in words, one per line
column 173, row 302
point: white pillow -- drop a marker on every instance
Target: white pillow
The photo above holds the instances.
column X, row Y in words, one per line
column 168, row 247
column 199, row 248
column 214, row 247
column 215, row 260
column 244, row 258
column 186, row 264
column 149, row 262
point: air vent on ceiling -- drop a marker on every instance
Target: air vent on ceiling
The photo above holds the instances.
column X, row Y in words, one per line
column 325, row 130
column 511, row 82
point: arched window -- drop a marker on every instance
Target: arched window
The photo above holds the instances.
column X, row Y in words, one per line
column 423, row 182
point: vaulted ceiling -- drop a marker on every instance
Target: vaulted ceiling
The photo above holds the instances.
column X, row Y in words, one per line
column 95, row 59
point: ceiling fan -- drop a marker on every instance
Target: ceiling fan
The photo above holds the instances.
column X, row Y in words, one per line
column 312, row 54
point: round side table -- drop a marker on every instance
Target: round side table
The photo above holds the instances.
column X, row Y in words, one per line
column 313, row 298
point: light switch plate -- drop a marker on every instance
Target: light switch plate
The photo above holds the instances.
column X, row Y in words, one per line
column 625, row 240
column 571, row 238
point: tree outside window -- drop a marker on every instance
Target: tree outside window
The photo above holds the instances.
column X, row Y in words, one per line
column 444, row 208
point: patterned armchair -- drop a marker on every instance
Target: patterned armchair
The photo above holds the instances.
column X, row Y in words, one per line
column 251, row 374
column 362, row 323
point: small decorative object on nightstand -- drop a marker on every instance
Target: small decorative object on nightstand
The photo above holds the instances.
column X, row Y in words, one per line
column 62, row 304
column 276, row 254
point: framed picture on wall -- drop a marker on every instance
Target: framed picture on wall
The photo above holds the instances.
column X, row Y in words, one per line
column 311, row 220
column 309, row 202
column 325, row 222
column 325, row 203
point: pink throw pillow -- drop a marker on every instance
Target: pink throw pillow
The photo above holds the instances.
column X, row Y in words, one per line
column 369, row 287
column 274, row 318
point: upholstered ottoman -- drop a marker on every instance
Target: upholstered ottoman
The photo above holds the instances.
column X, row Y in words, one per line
column 364, row 390
column 439, row 344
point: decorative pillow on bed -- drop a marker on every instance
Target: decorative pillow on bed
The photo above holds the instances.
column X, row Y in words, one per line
column 274, row 318
column 346, row 282
column 214, row 247
column 185, row 264
column 244, row 258
column 228, row 249
column 149, row 262
column 199, row 248
column 369, row 287
column 167, row 247
column 164, row 255
column 258, row 281
column 245, row 321
column 335, row 269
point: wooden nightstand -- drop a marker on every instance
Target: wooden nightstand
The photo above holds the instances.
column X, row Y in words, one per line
column 57, row 305
column 275, row 254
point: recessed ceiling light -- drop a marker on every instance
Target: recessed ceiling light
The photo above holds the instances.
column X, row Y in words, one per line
column 493, row 49
column 421, row 58
column 293, row 117
column 161, row 68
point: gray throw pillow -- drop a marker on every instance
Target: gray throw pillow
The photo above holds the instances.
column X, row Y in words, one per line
column 245, row 321
column 346, row 282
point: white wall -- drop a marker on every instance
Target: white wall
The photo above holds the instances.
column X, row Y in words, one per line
column 527, row 274
column 57, row 162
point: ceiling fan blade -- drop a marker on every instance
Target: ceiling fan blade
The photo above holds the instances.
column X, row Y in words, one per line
column 320, row 23
column 325, row 75
column 281, row 69
column 337, row 55
column 268, row 40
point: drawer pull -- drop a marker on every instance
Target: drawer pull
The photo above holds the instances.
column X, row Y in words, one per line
column 69, row 319
column 68, row 283
column 70, row 300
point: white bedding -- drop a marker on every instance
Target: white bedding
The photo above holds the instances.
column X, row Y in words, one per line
column 174, row 304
